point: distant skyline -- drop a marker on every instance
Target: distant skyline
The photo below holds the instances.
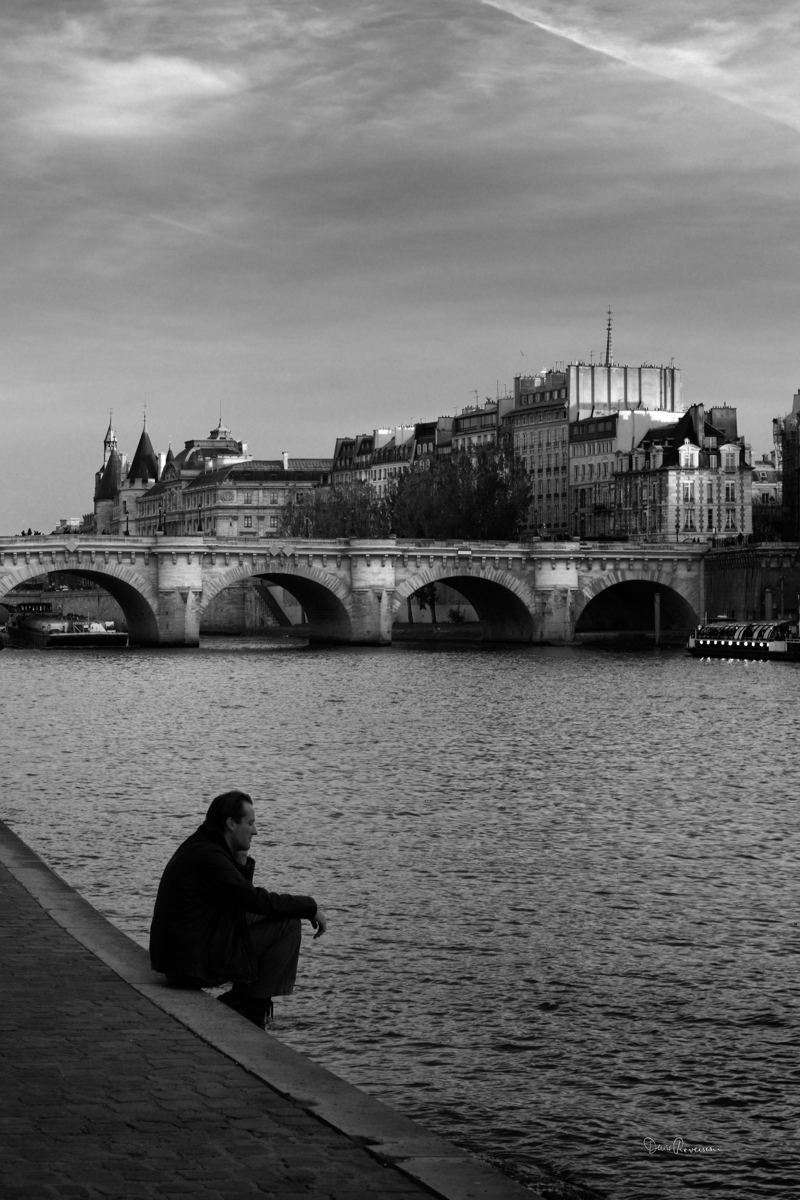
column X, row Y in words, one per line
column 328, row 218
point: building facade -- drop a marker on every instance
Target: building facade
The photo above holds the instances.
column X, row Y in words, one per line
column 213, row 487
column 381, row 456
column 768, row 511
column 573, row 498
column 480, row 425
column 786, row 436
column 595, row 443
column 537, row 432
column 686, row 481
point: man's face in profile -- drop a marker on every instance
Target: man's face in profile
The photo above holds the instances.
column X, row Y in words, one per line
column 242, row 832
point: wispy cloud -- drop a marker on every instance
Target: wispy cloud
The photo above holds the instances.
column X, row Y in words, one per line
column 69, row 80
column 147, row 96
column 745, row 52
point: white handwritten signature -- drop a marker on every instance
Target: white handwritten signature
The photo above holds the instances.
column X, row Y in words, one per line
column 679, row 1146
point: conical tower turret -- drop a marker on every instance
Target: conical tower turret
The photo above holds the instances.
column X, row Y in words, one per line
column 110, row 440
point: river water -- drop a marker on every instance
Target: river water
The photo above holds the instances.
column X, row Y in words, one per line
column 562, row 883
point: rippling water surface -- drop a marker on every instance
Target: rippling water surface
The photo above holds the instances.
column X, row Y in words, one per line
column 562, row 884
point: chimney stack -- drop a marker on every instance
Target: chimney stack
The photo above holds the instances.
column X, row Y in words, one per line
column 285, row 460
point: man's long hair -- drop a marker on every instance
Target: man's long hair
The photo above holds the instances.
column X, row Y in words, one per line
column 229, row 804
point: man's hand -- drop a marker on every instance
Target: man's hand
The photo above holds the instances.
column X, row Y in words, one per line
column 320, row 922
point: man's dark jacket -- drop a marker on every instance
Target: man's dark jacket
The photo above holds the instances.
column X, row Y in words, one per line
column 199, row 928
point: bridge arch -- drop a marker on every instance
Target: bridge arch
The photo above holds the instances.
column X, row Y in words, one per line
column 324, row 598
column 504, row 604
column 623, row 603
column 134, row 594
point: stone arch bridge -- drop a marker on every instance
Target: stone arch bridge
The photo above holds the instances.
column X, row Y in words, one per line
column 351, row 589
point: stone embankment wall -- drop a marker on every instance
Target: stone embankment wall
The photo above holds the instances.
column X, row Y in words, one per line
column 251, row 607
column 748, row 582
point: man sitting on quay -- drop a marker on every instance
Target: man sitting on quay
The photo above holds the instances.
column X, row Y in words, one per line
column 211, row 925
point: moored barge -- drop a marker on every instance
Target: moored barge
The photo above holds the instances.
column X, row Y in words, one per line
column 33, row 625
column 774, row 641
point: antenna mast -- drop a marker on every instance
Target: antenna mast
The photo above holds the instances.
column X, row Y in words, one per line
column 609, row 355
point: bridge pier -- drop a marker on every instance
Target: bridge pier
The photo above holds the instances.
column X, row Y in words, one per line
column 372, row 583
column 180, row 592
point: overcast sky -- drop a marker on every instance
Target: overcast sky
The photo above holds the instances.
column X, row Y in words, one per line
column 329, row 216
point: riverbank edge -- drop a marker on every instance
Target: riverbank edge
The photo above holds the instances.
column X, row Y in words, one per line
column 392, row 1139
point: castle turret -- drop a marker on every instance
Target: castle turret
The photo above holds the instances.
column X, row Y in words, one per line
column 145, row 461
column 106, row 493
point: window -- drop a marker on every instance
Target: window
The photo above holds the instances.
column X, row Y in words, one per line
column 710, row 492
column 730, row 493
column 688, row 492
column 248, row 497
column 273, row 497
column 273, row 522
column 248, row 522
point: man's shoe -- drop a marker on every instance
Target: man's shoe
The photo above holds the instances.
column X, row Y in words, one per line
column 257, row 1009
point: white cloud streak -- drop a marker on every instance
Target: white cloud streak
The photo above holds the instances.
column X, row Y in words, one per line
column 748, row 56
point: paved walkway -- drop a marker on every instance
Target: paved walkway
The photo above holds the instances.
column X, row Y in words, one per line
column 116, row 1086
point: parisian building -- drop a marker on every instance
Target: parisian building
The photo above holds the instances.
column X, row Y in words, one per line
column 379, row 457
column 786, row 435
column 594, row 445
column 686, row 481
column 480, row 425
column 768, row 511
column 213, row 487
column 547, row 405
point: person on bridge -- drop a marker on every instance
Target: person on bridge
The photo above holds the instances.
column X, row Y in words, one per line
column 211, row 925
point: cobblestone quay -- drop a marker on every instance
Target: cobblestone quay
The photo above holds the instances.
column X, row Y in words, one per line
column 114, row 1085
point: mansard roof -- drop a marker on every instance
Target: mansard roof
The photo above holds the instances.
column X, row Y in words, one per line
column 266, row 470
column 672, row 437
column 145, row 460
column 108, row 485
column 300, row 470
